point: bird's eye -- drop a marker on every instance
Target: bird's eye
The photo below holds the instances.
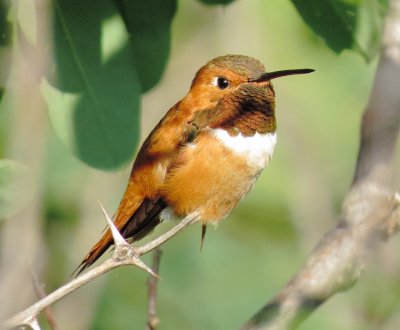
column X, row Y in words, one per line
column 221, row 83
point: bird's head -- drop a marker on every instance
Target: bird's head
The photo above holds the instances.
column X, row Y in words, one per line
column 235, row 88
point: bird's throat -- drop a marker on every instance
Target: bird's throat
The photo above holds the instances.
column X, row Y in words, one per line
column 256, row 149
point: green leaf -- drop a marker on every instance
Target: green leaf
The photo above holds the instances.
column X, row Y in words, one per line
column 371, row 15
column 5, row 37
column 94, row 94
column 333, row 20
column 5, row 27
column 15, row 187
column 345, row 24
column 217, row 2
column 149, row 24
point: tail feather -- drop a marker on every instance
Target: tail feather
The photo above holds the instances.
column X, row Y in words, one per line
column 145, row 219
column 139, row 224
column 96, row 252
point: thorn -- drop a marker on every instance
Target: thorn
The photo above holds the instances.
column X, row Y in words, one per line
column 34, row 324
column 139, row 263
column 203, row 235
column 118, row 239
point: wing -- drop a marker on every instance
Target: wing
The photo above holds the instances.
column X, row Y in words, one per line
column 140, row 207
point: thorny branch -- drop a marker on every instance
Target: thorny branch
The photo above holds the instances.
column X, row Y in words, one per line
column 371, row 209
column 124, row 254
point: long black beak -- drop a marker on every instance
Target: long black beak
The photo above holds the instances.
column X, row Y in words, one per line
column 276, row 74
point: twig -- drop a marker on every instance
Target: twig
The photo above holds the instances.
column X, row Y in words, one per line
column 152, row 319
column 124, row 254
column 371, row 209
column 42, row 294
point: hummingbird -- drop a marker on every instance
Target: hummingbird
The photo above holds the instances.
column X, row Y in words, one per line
column 205, row 154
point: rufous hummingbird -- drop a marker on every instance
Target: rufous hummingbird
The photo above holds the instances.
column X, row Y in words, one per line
column 206, row 153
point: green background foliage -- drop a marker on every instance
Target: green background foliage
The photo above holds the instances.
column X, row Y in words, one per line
column 104, row 61
column 116, row 67
column 341, row 23
column 4, row 41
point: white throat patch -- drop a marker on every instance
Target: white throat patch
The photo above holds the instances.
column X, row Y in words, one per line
column 258, row 148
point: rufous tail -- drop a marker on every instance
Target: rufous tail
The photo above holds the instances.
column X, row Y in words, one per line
column 144, row 219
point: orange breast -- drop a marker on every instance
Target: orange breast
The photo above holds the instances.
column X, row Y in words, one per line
column 208, row 177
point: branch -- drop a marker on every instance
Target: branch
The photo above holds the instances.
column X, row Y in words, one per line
column 152, row 319
column 42, row 294
column 124, row 254
column 371, row 209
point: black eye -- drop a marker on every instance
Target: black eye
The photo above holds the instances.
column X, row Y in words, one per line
column 222, row 83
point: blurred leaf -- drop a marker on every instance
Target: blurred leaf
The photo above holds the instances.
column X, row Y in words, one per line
column 77, row 43
column 5, row 36
column 15, row 187
column 371, row 15
column 61, row 107
column 149, row 24
column 338, row 23
column 5, row 27
column 217, row 2
column 93, row 94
